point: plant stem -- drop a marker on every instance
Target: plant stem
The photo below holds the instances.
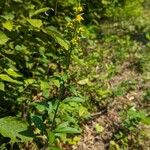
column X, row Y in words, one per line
column 60, row 98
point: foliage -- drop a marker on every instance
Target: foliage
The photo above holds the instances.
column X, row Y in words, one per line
column 57, row 59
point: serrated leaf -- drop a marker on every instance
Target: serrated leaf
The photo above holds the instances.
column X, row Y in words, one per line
column 39, row 11
column 2, row 86
column 57, row 36
column 8, row 25
column 12, row 73
column 35, row 22
column 5, row 77
column 16, row 129
column 74, row 99
column 3, row 38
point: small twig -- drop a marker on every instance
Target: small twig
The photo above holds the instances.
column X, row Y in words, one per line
column 56, row 5
column 99, row 113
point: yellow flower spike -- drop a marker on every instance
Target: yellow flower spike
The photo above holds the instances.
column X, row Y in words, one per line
column 78, row 9
column 75, row 40
column 70, row 25
column 80, row 30
column 79, row 18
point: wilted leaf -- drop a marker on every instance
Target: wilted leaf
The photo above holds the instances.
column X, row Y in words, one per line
column 3, row 38
column 15, row 129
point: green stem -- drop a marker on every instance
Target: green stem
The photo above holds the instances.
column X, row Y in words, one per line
column 60, row 98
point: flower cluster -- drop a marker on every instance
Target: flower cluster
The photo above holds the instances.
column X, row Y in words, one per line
column 75, row 26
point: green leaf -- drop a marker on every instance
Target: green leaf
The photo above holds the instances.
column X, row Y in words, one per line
column 67, row 130
column 63, row 125
column 2, row 86
column 148, row 35
column 5, row 77
column 51, row 137
column 35, row 22
column 8, row 25
column 12, row 73
column 19, row 1
column 38, row 122
column 83, row 111
column 57, row 36
column 99, row 128
column 16, row 129
column 3, row 38
column 8, row 16
column 84, row 81
column 73, row 99
column 54, row 148
column 39, row 11
column 41, row 107
column 114, row 146
column 29, row 81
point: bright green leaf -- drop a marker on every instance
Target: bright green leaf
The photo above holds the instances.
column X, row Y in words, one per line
column 3, row 38
column 2, row 86
column 99, row 128
column 82, row 111
column 73, row 99
column 12, row 73
column 15, row 129
column 8, row 25
column 67, row 130
column 51, row 137
column 42, row 10
column 5, row 77
column 35, row 22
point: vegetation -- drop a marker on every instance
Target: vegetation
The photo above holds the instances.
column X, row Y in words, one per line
column 73, row 69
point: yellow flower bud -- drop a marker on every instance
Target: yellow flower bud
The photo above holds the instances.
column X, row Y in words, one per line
column 79, row 18
column 70, row 25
